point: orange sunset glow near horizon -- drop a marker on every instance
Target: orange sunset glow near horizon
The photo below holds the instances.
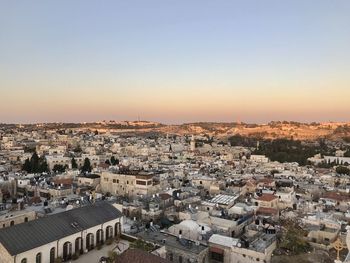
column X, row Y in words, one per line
column 175, row 62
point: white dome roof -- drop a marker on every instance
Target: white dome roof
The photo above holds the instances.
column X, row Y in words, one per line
column 190, row 224
column 193, row 226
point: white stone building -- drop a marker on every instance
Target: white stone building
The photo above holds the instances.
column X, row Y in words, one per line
column 61, row 235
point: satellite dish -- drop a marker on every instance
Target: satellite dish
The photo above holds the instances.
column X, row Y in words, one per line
column 239, row 245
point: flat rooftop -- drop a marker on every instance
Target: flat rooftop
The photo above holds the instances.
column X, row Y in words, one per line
column 223, row 199
column 261, row 243
column 171, row 241
column 91, row 176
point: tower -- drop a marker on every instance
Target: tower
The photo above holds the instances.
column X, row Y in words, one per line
column 193, row 143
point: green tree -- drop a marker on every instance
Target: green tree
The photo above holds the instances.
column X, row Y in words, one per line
column 294, row 239
column 87, row 166
column 74, row 164
column 26, row 166
column 342, row 170
column 34, row 163
column 114, row 161
column 143, row 245
column 273, row 172
column 113, row 257
column 43, row 167
column 59, row 168
column 78, row 149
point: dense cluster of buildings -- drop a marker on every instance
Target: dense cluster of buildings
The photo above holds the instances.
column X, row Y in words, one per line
column 194, row 199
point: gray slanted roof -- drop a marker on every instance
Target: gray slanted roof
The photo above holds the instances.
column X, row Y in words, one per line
column 26, row 236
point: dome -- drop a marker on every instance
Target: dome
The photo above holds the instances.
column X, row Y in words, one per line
column 190, row 224
column 193, row 226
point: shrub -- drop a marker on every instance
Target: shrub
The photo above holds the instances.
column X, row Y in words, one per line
column 112, row 256
column 343, row 170
column 75, row 256
column 109, row 241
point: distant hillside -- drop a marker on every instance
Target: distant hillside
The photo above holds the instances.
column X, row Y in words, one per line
column 272, row 130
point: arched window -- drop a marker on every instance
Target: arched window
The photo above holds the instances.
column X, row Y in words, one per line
column 24, row 260
column 117, row 229
column 99, row 236
column 67, row 251
column 52, row 255
column 26, row 219
column 38, row 258
column 12, row 223
column 90, row 241
column 78, row 246
column 109, row 232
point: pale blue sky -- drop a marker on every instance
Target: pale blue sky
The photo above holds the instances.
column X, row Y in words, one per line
column 175, row 61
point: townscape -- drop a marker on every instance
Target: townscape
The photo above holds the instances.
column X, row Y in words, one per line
column 77, row 193
column 187, row 131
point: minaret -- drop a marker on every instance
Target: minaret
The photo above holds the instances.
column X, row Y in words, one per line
column 193, row 144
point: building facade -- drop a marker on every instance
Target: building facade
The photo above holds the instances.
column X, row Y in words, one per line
column 62, row 235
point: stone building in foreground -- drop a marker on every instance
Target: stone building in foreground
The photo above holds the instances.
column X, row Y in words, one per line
column 71, row 232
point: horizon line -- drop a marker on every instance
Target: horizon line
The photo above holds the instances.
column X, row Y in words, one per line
column 174, row 123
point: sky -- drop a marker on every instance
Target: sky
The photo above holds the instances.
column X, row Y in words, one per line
column 174, row 61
